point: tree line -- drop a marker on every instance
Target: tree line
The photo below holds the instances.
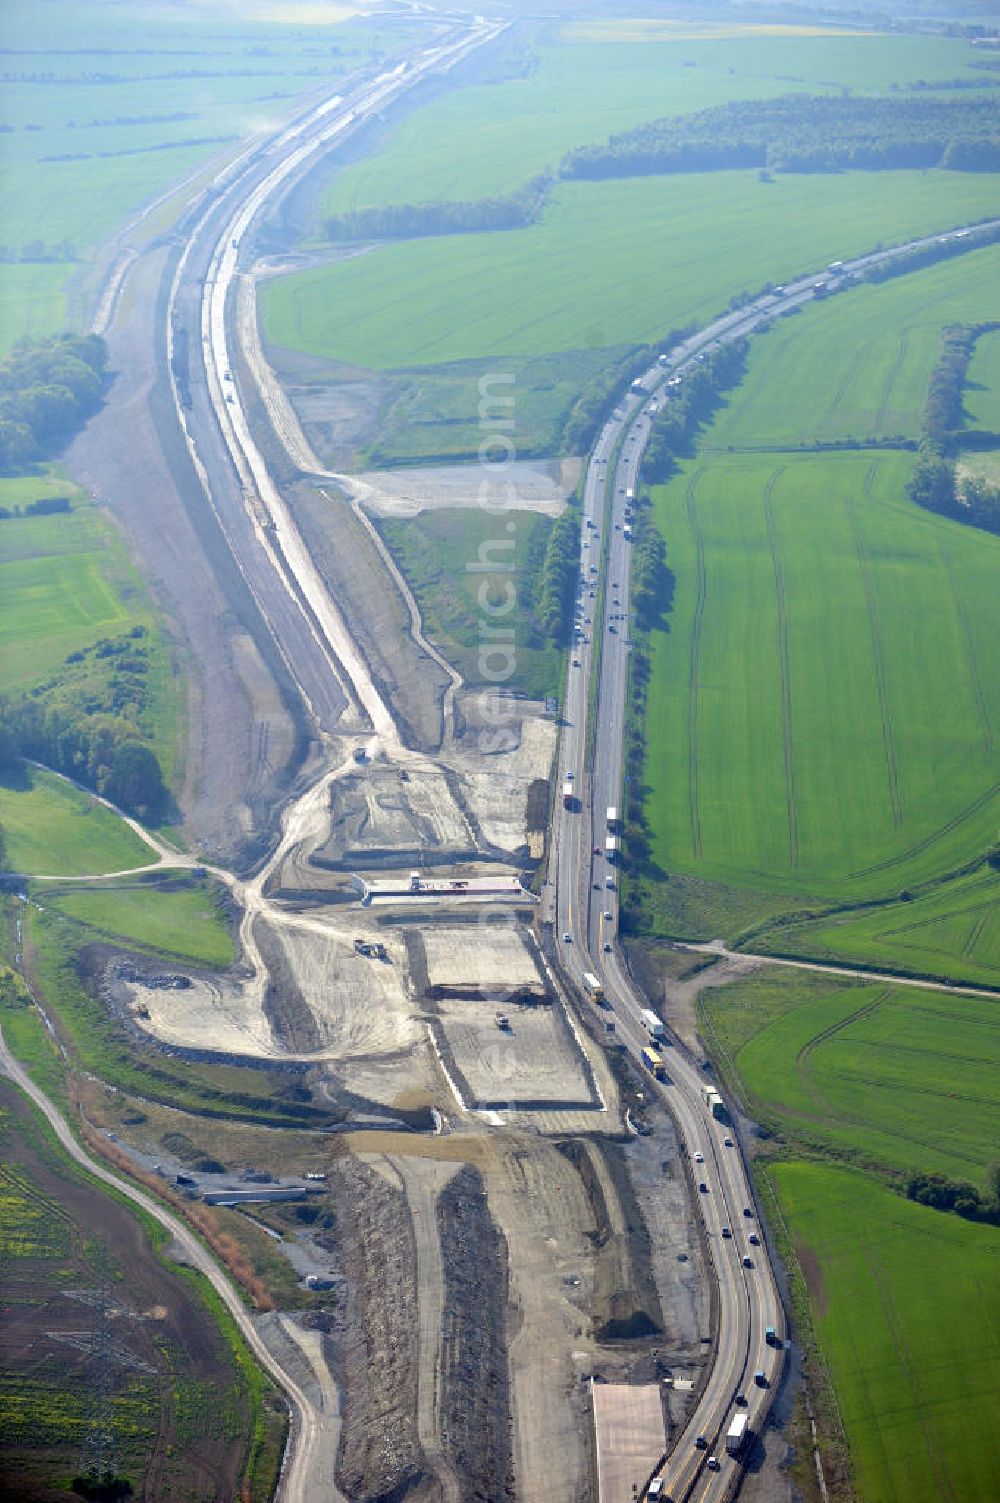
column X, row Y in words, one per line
column 558, row 576
column 47, row 389
column 87, row 721
column 441, row 217
column 941, row 248
column 935, row 483
column 965, row 1199
column 690, row 405
column 805, row 133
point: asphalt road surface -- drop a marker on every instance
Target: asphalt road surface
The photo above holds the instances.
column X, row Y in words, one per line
column 582, row 898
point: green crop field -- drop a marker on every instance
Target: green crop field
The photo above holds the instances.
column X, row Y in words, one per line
column 823, row 709
column 51, row 827
column 107, row 107
column 982, row 387
column 857, row 365
column 521, row 114
column 434, row 551
column 906, row 1306
column 951, row 931
column 901, row 1077
column 181, row 916
column 687, row 243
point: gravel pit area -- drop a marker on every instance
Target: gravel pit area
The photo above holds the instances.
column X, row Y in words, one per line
column 222, row 1016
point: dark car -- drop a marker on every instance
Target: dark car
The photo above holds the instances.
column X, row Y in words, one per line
column 703, row 1187
column 701, row 1443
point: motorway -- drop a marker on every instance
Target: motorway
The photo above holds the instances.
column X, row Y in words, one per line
column 582, row 896
column 323, row 661
column 308, row 629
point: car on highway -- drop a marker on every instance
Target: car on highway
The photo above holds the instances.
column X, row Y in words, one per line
column 701, row 1444
column 740, row 1401
column 726, row 1232
column 728, row 1142
column 747, row 1212
column 567, row 938
column 607, row 946
column 699, row 1158
column 747, row 1262
column 702, row 1187
column 609, row 882
column 753, row 1239
column 655, row 1490
column 576, row 662
column 760, row 1378
column 607, row 913
column 713, row 1463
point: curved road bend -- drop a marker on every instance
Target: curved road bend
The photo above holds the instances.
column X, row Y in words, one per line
column 305, row 1417
column 582, row 898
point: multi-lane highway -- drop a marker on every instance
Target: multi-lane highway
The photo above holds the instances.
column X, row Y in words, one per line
column 583, row 900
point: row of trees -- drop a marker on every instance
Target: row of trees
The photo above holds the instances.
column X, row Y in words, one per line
column 805, row 133
column 47, row 389
column 558, row 576
column 441, row 217
column 689, row 406
column 942, row 248
column 964, row 1199
column 38, row 250
column 935, row 482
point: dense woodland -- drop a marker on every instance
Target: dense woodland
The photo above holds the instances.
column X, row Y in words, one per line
column 87, row 721
column 47, row 389
column 806, row 133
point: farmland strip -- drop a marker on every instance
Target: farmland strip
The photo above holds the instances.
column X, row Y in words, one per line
column 791, row 803
column 970, row 650
column 892, row 771
column 693, row 666
column 890, row 381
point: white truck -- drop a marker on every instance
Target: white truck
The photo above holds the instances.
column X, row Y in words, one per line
column 652, row 1024
column 612, row 818
column 736, row 1435
column 611, row 848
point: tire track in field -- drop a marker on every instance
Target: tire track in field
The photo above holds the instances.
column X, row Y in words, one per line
column 976, row 934
column 890, row 381
column 913, row 1374
column 845, row 381
column 694, row 661
column 970, row 649
column 891, row 768
column 935, row 835
column 803, row 1059
column 784, row 667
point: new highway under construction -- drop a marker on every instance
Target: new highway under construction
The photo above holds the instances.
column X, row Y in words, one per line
column 533, row 1187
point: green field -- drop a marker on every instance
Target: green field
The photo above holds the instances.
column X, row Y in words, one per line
column 905, row 1305
column 142, row 99
column 879, row 345
column 51, row 827
column 982, row 386
column 181, row 916
column 951, row 931
column 525, row 111
column 434, row 551
column 689, row 244
column 66, row 581
column 885, row 1075
column 823, row 709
